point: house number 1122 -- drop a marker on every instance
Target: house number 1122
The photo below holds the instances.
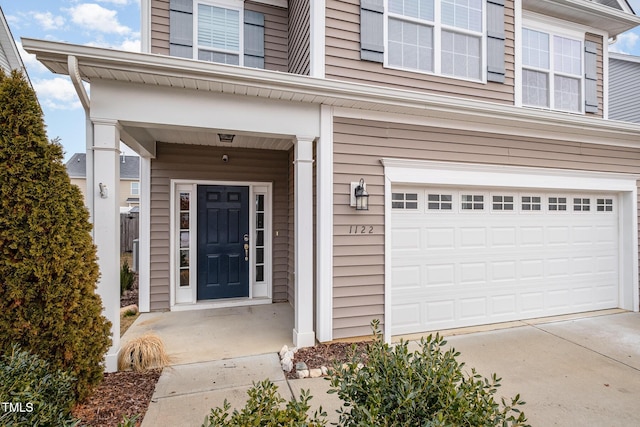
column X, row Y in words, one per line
column 361, row 229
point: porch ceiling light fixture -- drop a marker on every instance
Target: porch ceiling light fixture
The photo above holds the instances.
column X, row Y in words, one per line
column 359, row 196
column 226, row 137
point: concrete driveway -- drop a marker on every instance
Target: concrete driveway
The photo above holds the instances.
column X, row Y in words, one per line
column 576, row 372
column 582, row 372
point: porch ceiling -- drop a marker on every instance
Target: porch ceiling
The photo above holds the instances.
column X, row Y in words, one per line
column 346, row 97
column 208, row 137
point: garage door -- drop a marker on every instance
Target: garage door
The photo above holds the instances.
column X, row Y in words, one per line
column 464, row 257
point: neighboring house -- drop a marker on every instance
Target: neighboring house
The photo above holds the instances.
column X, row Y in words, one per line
column 129, row 186
column 9, row 55
column 624, row 90
column 498, row 188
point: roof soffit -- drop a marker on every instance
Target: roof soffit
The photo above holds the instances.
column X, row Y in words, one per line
column 159, row 70
column 590, row 13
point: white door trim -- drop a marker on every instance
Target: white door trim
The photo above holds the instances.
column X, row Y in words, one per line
column 185, row 298
column 405, row 171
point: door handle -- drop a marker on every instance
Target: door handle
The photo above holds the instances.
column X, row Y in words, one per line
column 246, row 247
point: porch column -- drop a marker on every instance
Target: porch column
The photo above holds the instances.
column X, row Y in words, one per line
column 303, row 334
column 106, row 225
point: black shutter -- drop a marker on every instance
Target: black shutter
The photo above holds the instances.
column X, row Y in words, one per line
column 181, row 28
column 371, row 35
column 253, row 39
column 495, row 41
column 590, row 77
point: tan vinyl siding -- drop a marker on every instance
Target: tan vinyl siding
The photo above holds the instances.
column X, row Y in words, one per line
column 299, row 40
column 276, row 28
column 160, row 27
column 598, row 40
column 358, row 272
column 343, row 60
column 195, row 162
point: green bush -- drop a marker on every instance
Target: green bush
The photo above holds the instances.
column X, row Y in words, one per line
column 265, row 408
column 126, row 278
column 396, row 387
column 48, row 264
column 40, row 395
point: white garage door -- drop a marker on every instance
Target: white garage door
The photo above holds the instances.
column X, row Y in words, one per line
column 470, row 257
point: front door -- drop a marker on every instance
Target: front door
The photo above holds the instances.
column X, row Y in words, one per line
column 223, row 232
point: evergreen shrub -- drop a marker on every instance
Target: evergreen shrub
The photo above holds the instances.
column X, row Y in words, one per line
column 38, row 394
column 48, row 264
column 392, row 386
column 266, row 408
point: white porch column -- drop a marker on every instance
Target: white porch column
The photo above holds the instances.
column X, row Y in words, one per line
column 144, row 239
column 106, row 223
column 303, row 335
column 324, row 226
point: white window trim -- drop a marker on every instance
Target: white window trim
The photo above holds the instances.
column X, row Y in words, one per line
column 186, row 298
column 226, row 4
column 419, row 172
column 534, row 21
column 437, row 42
column 553, row 31
column 137, row 191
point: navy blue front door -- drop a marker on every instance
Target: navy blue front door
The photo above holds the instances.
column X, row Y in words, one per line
column 223, row 230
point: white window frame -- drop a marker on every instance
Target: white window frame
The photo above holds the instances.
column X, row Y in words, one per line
column 551, row 27
column 226, row 4
column 438, row 27
column 135, row 192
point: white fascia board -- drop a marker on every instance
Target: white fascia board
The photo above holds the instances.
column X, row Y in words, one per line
column 278, row 3
column 624, row 57
column 130, row 66
column 401, row 171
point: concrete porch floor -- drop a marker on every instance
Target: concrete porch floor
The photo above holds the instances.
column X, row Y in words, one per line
column 218, row 333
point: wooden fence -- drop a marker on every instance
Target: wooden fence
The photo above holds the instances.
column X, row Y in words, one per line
column 129, row 226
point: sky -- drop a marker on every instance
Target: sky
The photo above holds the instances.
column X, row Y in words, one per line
column 103, row 23
column 112, row 24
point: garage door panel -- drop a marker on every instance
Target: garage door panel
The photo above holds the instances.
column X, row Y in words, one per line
column 440, row 238
column 531, row 236
column 458, row 269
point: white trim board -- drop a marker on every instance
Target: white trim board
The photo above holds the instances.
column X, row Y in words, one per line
column 404, row 171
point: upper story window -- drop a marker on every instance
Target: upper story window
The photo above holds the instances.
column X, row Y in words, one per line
column 218, row 31
column 436, row 36
column 552, row 74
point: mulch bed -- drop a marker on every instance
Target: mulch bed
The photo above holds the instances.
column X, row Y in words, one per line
column 121, row 393
column 124, row 393
column 325, row 355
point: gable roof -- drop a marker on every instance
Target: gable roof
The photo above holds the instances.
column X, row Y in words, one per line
column 129, row 166
column 9, row 55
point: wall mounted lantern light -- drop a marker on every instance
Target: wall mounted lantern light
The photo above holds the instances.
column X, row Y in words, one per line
column 104, row 190
column 359, row 195
column 226, row 137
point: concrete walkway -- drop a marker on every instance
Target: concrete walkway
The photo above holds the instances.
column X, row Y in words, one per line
column 577, row 372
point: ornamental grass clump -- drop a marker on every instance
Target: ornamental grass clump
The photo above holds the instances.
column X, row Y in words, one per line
column 397, row 387
column 143, row 353
column 48, row 264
